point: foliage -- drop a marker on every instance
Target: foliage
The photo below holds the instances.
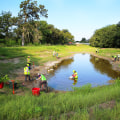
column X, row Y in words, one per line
column 107, row 37
column 84, row 40
column 3, row 78
column 27, row 28
column 61, row 106
column 52, row 35
column 5, row 24
column 29, row 12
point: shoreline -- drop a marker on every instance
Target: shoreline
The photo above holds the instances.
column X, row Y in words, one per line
column 51, row 64
column 115, row 65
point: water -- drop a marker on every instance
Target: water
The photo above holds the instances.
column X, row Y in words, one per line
column 89, row 68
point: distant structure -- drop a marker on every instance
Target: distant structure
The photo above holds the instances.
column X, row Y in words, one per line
column 77, row 42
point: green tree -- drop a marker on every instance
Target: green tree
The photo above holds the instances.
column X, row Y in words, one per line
column 108, row 37
column 5, row 24
column 29, row 12
column 83, row 40
column 68, row 37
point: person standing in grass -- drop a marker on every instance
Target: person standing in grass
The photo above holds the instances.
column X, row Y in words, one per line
column 115, row 57
column 97, row 50
column 54, row 53
column 118, row 56
column 29, row 62
column 27, row 72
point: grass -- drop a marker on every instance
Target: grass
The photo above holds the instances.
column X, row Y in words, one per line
column 109, row 52
column 62, row 105
column 39, row 55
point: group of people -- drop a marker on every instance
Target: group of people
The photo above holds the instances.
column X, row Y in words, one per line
column 27, row 68
column 41, row 77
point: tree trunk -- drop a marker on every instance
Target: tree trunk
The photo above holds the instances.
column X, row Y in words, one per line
column 23, row 41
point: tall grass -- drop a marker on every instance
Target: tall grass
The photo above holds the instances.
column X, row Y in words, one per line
column 59, row 105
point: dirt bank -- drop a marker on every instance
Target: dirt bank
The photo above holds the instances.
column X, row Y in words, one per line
column 115, row 65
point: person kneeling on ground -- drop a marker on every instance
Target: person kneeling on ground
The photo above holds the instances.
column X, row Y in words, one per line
column 42, row 79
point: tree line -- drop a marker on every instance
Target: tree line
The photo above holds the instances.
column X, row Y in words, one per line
column 106, row 37
column 27, row 28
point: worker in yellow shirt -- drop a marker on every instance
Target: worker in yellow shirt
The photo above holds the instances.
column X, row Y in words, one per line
column 29, row 62
column 27, row 72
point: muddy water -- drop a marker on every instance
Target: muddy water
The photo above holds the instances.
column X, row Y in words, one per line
column 89, row 68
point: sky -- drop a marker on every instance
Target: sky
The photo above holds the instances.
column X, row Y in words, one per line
column 81, row 17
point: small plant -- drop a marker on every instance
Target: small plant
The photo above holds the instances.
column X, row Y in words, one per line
column 3, row 78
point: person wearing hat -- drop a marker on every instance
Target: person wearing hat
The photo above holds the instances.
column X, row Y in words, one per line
column 27, row 72
column 42, row 79
column 75, row 75
column 29, row 62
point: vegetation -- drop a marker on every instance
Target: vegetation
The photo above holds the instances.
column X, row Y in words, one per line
column 81, row 104
column 107, row 37
column 39, row 55
column 27, row 28
column 84, row 40
column 3, row 78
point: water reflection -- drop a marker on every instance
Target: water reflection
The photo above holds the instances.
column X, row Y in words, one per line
column 65, row 63
column 104, row 67
column 75, row 81
column 89, row 68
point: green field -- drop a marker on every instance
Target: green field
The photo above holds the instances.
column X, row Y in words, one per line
column 39, row 55
column 84, row 103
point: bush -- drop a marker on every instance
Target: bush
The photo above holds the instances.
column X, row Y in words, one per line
column 3, row 78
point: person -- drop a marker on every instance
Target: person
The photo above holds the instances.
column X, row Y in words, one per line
column 54, row 53
column 42, row 79
column 97, row 50
column 27, row 72
column 75, row 75
column 29, row 62
column 28, row 66
column 115, row 57
column 39, row 77
column 118, row 56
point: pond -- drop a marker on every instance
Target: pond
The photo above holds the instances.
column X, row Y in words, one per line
column 90, row 69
